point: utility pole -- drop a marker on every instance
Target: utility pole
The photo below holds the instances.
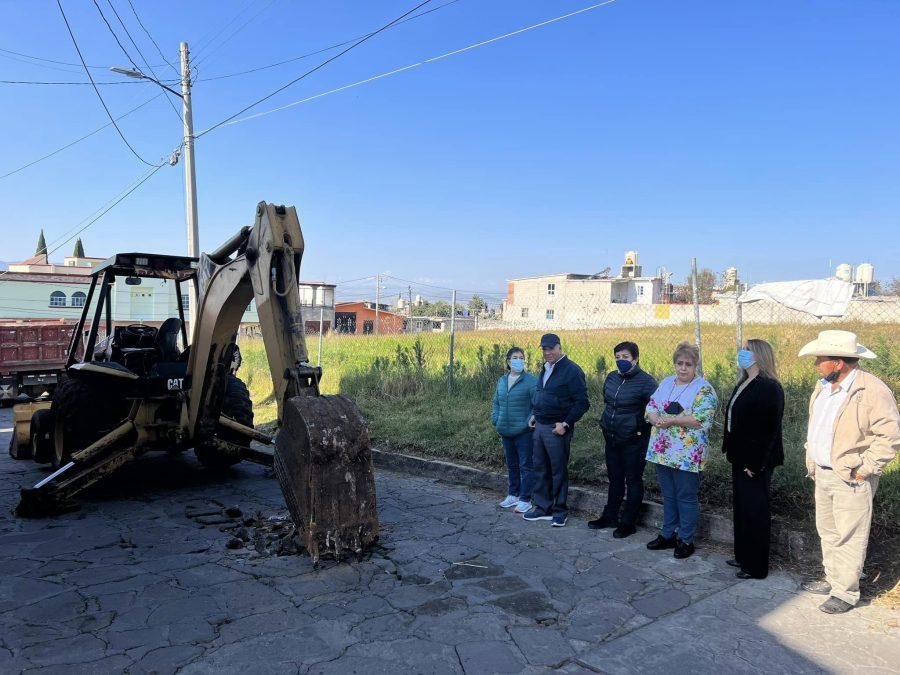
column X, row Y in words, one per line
column 377, row 301
column 190, row 178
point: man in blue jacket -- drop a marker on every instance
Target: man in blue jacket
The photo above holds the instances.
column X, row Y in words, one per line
column 626, row 392
column 559, row 401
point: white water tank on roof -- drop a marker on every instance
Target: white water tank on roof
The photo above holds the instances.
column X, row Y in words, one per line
column 865, row 273
column 844, row 272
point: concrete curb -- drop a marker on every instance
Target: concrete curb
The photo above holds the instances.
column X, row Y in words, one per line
column 789, row 543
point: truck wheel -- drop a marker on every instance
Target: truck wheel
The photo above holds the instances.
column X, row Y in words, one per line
column 238, row 406
column 82, row 414
column 42, row 436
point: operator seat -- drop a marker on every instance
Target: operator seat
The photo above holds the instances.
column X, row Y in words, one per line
column 167, row 340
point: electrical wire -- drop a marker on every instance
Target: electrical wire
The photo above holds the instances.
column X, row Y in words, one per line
column 312, row 70
column 76, row 141
column 98, row 214
column 112, row 82
column 40, row 58
column 143, row 58
column 115, row 37
column 397, row 71
column 233, row 33
column 205, row 41
column 322, row 50
column 147, row 32
column 91, row 78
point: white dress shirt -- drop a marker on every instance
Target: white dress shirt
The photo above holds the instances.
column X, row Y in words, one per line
column 820, row 436
column 548, row 369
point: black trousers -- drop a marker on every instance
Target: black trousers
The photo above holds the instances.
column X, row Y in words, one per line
column 625, row 466
column 752, row 520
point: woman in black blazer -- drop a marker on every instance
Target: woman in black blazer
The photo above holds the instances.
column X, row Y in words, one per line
column 753, row 444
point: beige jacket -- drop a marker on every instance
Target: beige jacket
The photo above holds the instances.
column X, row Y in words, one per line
column 866, row 429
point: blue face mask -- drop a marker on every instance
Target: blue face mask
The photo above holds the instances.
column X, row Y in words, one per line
column 745, row 358
column 517, row 365
column 624, row 365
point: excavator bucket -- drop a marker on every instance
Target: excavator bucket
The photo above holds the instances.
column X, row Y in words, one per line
column 323, row 461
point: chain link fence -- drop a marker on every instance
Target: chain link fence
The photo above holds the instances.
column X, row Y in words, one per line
column 422, row 362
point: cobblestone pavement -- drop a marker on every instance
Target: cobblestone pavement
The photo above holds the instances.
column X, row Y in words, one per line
column 131, row 582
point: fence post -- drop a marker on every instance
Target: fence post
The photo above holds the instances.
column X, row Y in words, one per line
column 697, row 337
column 321, row 325
column 375, row 331
column 740, row 329
column 452, row 342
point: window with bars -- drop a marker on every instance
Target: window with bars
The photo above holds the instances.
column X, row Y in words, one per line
column 550, row 314
column 524, row 312
column 551, row 290
column 78, row 299
column 57, row 299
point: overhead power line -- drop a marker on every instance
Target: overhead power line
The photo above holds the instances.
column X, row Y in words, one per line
column 97, row 214
column 403, row 69
column 147, row 32
column 312, row 70
column 96, row 90
column 205, row 41
column 323, row 49
column 106, row 209
column 40, row 58
column 87, row 84
column 115, row 37
column 143, row 58
column 77, row 140
column 233, row 33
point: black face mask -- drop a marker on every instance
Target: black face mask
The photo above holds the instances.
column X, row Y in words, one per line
column 673, row 408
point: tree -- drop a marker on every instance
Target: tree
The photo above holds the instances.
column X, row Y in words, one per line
column 477, row 305
column 41, row 245
column 893, row 287
column 79, row 249
column 438, row 308
column 706, row 283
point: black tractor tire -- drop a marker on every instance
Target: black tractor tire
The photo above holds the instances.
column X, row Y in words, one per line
column 238, row 406
column 41, row 435
column 82, row 414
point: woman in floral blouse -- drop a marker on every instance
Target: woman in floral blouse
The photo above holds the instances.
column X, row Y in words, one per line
column 681, row 411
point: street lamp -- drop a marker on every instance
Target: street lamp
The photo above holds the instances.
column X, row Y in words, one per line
column 138, row 75
column 190, row 178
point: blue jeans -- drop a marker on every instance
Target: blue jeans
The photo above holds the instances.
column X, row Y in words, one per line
column 518, row 465
column 681, row 504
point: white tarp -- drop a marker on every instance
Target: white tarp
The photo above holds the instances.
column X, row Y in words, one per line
column 819, row 297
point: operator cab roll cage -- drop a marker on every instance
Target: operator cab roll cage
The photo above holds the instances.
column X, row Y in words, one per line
column 180, row 269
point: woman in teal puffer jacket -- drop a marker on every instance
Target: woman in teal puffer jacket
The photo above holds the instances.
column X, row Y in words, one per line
column 510, row 414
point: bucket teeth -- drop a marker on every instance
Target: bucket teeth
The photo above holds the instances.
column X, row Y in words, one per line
column 323, row 462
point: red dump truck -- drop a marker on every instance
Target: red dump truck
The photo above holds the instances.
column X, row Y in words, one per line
column 32, row 356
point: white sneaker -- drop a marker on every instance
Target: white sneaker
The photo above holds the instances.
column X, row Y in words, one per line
column 509, row 501
column 523, row 507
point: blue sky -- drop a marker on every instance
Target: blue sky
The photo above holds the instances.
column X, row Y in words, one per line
column 762, row 135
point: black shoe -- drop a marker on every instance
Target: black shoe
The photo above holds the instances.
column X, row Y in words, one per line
column 746, row 575
column 661, row 543
column 733, row 563
column 835, row 605
column 601, row 523
column 624, row 530
column 683, row 550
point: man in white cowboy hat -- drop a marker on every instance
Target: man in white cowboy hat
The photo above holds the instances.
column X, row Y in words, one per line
column 854, row 432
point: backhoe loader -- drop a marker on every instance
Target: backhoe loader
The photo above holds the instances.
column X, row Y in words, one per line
column 142, row 388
